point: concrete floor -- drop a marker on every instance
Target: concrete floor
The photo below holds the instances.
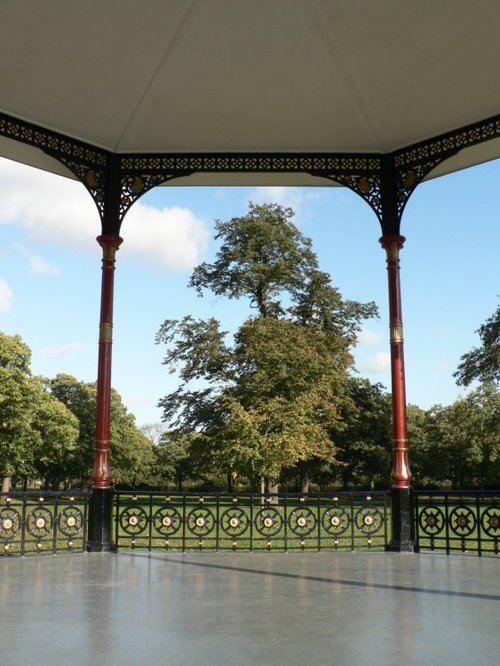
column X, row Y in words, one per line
column 249, row 608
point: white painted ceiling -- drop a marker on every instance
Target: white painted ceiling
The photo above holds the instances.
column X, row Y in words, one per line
column 250, row 75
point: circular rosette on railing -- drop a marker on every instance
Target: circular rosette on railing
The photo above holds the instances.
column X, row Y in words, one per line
column 490, row 521
column 10, row 522
column 335, row 520
column 201, row 521
column 302, row 521
column 462, row 521
column 39, row 522
column 70, row 521
column 268, row 521
column 234, row 522
column 431, row 520
column 369, row 519
column 167, row 521
column 133, row 520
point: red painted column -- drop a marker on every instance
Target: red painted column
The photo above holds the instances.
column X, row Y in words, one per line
column 401, row 475
column 101, row 475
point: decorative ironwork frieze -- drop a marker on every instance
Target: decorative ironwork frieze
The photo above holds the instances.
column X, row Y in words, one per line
column 116, row 181
column 57, row 145
column 42, row 522
column 185, row 521
column 465, row 521
column 186, row 163
column 137, row 183
column 445, row 145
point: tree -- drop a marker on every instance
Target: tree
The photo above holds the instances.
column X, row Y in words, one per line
column 482, row 363
column 80, row 398
column 131, row 449
column 465, row 439
column 18, row 397
column 365, row 444
column 274, row 397
column 172, row 459
column 57, row 443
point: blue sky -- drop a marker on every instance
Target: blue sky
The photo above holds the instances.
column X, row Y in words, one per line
column 50, row 273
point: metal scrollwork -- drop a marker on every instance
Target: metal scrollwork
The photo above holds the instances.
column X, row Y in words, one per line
column 10, row 523
column 70, row 521
column 201, row 521
column 302, row 521
column 167, row 521
column 133, row 186
column 93, row 178
column 268, row 521
column 234, row 522
column 335, row 521
column 134, row 520
column 369, row 519
column 490, row 521
column 431, row 520
column 39, row 522
column 462, row 521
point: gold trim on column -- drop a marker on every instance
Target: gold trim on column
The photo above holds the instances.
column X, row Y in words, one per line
column 397, row 333
column 105, row 332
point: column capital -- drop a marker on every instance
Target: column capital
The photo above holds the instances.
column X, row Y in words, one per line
column 389, row 241
column 110, row 244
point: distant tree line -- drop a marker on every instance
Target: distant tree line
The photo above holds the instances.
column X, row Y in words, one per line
column 48, row 427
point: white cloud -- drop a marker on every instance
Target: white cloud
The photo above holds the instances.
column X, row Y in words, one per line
column 369, row 338
column 292, row 197
column 171, row 237
column 378, row 364
column 38, row 265
column 63, row 350
column 5, row 297
column 57, row 210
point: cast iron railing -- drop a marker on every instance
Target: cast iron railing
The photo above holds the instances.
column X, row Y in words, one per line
column 284, row 522
column 42, row 522
column 463, row 521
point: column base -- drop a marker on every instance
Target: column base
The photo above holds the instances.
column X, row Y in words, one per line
column 100, row 530
column 403, row 525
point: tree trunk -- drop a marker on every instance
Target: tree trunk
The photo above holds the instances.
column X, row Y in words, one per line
column 6, row 484
column 272, row 490
column 304, row 481
column 230, row 484
column 262, row 484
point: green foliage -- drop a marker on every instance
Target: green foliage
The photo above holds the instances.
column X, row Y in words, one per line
column 172, row 459
column 365, row 444
column 132, row 454
column 18, row 399
column 274, row 397
column 465, row 439
column 262, row 256
column 80, row 398
column 58, row 437
column 483, row 363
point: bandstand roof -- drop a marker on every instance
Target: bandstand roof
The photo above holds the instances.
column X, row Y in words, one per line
column 274, row 76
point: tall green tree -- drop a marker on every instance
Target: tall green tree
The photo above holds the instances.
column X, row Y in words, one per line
column 54, row 456
column 132, row 455
column 365, row 444
column 273, row 397
column 18, row 398
column 465, row 439
column 483, row 362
